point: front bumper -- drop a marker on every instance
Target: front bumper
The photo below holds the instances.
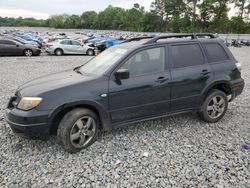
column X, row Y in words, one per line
column 37, row 51
column 49, row 50
column 32, row 124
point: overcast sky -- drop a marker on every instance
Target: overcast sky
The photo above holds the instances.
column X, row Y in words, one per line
column 44, row 8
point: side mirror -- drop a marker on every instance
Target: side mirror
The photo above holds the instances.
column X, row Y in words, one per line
column 122, row 74
column 17, row 45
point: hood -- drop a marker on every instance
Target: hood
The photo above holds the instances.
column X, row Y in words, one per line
column 52, row 82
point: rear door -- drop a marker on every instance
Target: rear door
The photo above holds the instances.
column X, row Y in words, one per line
column 190, row 75
column 146, row 93
column 77, row 48
column 10, row 48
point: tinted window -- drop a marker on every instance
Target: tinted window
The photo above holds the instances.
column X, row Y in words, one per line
column 66, row 42
column 215, row 52
column 7, row 42
column 76, row 43
column 146, row 62
column 186, row 55
column 104, row 61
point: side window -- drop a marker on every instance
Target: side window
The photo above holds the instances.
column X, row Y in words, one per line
column 146, row 62
column 185, row 55
column 215, row 52
column 66, row 42
column 6, row 42
column 75, row 43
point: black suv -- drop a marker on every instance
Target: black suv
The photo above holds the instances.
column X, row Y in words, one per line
column 141, row 79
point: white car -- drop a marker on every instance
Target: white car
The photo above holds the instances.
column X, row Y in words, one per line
column 68, row 46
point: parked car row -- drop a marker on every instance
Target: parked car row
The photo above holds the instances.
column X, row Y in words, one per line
column 87, row 42
column 237, row 43
column 59, row 43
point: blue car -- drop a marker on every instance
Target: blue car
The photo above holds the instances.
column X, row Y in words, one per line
column 112, row 42
column 29, row 38
column 26, row 42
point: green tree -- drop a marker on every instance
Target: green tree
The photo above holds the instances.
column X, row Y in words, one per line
column 89, row 19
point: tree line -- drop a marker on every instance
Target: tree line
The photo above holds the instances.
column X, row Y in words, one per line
column 164, row 16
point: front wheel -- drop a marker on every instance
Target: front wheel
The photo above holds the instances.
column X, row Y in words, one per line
column 28, row 53
column 78, row 130
column 214, row 107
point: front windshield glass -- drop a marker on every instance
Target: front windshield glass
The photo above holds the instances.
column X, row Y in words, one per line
column 101, row 63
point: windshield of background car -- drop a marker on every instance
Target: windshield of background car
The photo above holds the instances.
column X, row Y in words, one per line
column 101, row 63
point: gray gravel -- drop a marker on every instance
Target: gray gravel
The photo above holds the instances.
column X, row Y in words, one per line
column 179, row 151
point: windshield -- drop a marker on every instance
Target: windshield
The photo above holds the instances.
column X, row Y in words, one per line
column 101, row 63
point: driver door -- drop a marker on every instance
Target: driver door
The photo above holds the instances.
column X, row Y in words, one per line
column 146, row 93
column 77, row 47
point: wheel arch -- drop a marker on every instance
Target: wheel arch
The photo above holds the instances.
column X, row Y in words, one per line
column 58, row 48
column 59, row 113
column 224, row 86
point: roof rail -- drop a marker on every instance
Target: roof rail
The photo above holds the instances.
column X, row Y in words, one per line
column 139, row 38
column 192, row 35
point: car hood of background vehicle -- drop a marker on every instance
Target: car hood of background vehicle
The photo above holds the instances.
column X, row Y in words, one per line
column 52, row 82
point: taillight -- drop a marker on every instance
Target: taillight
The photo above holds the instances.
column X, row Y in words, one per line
column 239, row 67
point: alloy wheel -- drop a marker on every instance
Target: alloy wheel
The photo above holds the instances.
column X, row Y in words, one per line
column 216, row 107
column 82, row 131
column 28, row 53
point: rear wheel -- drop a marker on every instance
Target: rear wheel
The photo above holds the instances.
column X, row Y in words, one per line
column 59, row 52
column 214, row 106
column 78, row 130
column 90, row 52
column 28, row 52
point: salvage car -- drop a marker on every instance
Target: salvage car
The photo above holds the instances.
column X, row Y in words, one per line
column 63, row 47
column 14, row 47
column 140, row 79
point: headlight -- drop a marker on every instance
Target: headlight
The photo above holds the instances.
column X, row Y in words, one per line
column 28, row 103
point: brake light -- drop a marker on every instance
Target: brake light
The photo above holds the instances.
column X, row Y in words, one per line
column 239, row 67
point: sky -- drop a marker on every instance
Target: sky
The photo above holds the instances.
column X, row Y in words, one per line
column 44, row 8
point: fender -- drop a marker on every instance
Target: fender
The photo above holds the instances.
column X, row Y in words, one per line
column 103, row 113
column 209, row 87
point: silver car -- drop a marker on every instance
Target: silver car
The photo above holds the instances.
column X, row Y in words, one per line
column 68, row 46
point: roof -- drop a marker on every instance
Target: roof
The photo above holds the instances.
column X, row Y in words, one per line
column 144, row 41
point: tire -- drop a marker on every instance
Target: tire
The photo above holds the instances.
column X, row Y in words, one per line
column 59, row 52
column 90, row 52
column 28, row 53
column 214, row 107
column 78, row 130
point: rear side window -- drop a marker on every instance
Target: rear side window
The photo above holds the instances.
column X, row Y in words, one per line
column 7, row 42
column 185, row 55
column 215, row 52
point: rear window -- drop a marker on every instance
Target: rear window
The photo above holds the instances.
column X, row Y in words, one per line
column 185, row 55
column 215, row 52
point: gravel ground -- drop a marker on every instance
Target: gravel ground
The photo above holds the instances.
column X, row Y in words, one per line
column 178, row 151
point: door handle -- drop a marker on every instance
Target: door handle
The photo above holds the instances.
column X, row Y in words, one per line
column 205, row 72
column 161, row 79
